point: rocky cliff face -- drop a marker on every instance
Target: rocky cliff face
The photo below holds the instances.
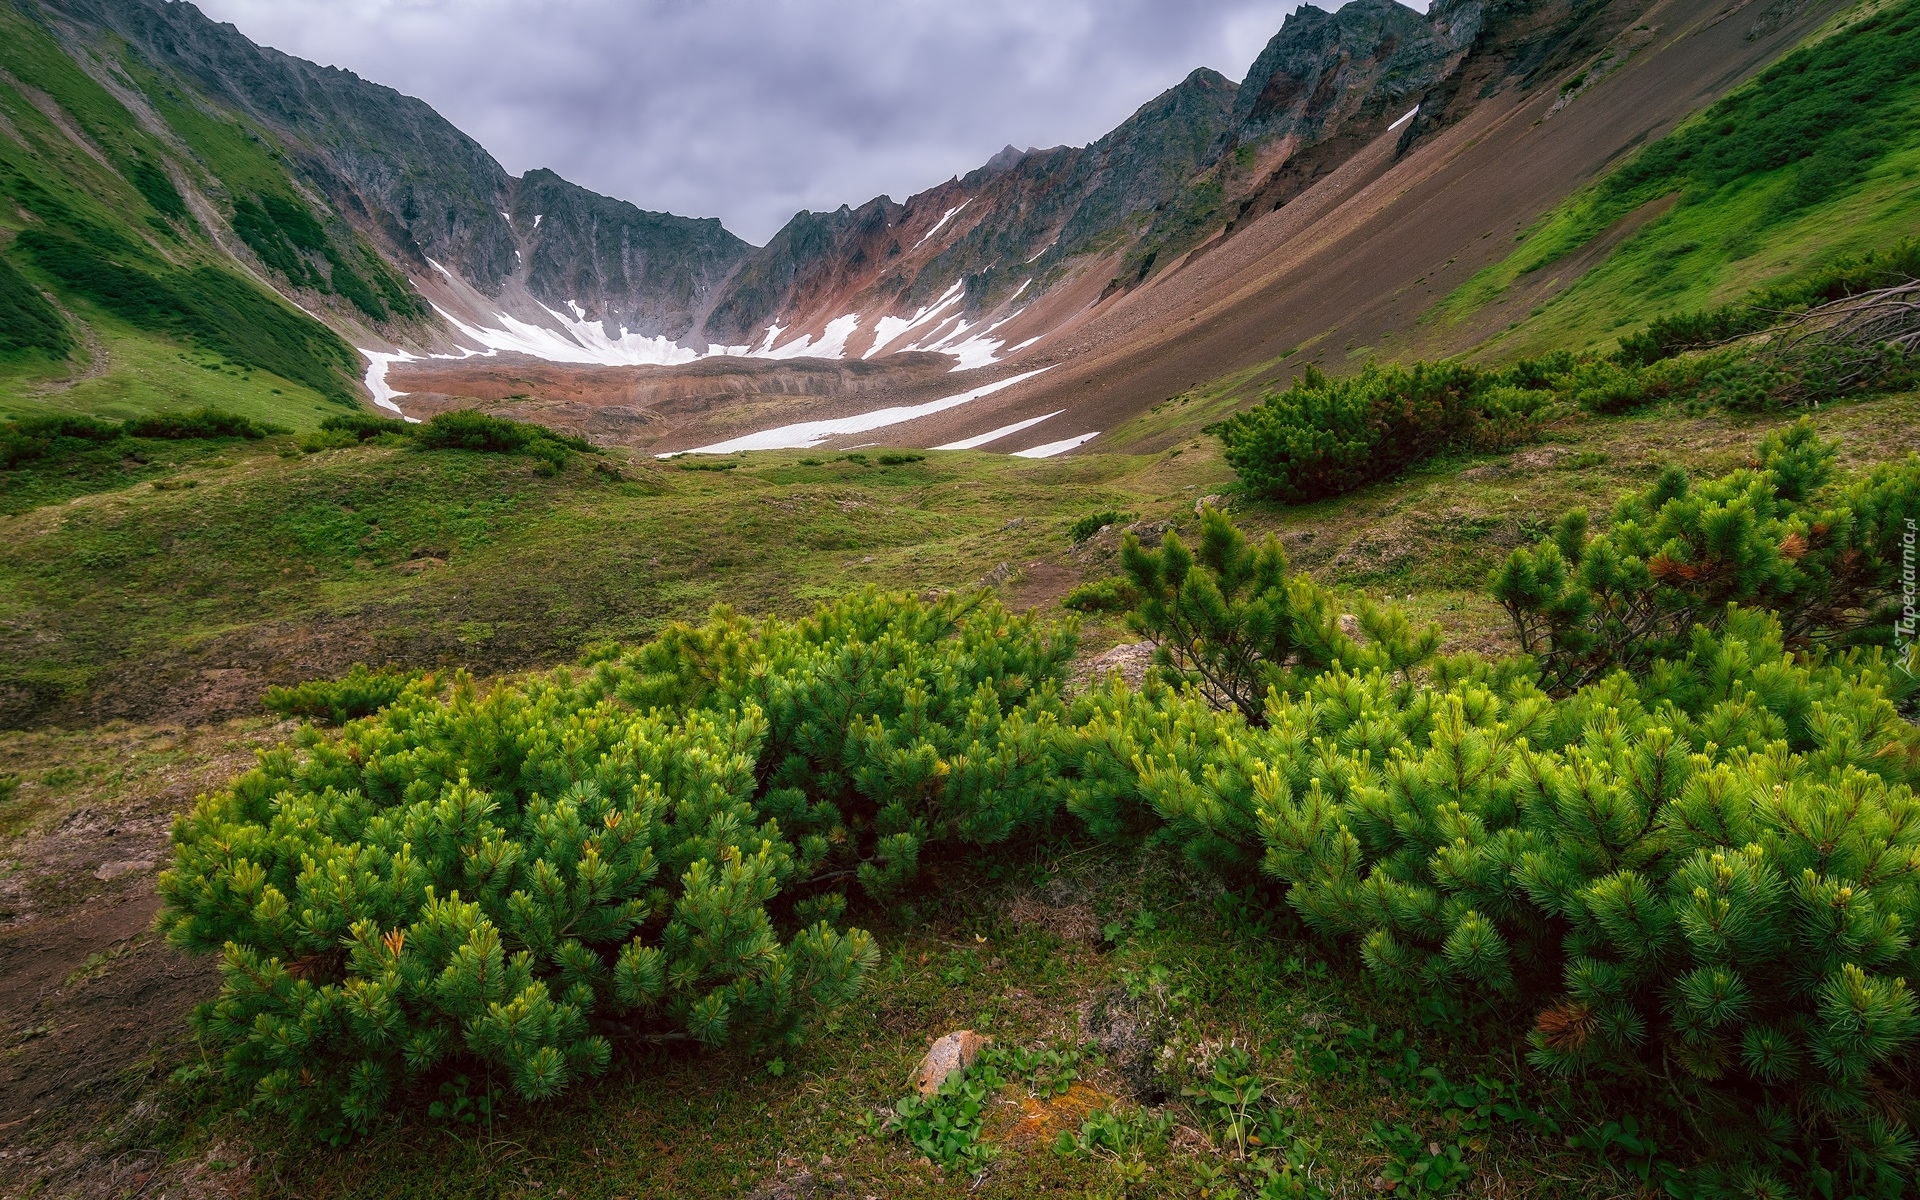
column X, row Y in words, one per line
column 653, row 273
column 422, row 189
column 1017, row 218
column 1322, row 69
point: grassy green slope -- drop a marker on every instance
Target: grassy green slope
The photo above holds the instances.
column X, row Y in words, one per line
column 137, row 575
column 476, row 558
column 1815, row 158
column 152, row 315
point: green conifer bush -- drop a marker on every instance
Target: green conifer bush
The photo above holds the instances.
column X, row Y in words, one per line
column 508, row 882
column 1227, row 620
column 1702, row 872
column 1325, row 437
column 470, row 429
column 895, row 724
column 361, row 692
column 1784, row 535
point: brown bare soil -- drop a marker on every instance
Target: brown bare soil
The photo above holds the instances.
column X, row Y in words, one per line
column 92, row 1002
column 662, row 409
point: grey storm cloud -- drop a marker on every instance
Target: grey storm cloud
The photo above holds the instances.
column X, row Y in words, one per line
column 750, row 110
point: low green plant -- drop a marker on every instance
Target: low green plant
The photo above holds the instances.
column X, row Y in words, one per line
column 896, row 726
column 1624, row 1143
column 1118, row 1133
column 496, row 883
column 1046, row 1071
column 1715, row 855
column 1231, row 1098
column 344, row 430
column 366, row 426
column 470, row 429
column 1416, row 1166
column 33, row 438
column 900, row 460
column 1786, row 535
column 503, row 883
column 1324, row 437
column 201, row 423
column 1110, row 595
column 947, row 1125
column 1093, row 523
column 1226, row 618
column 459, row 1104
column 1601, row 385
column 361, row 692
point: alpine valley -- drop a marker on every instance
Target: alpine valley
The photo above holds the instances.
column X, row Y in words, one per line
column 1353, row 636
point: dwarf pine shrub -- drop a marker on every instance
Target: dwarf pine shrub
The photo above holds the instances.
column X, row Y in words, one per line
column 513, row 880
column 895, row 725
column 361, row 692
column 1784, row 535
column 1324, row 437
column 1228, row 620
column 470, row 429
column 31, row 439
column 1699, row 873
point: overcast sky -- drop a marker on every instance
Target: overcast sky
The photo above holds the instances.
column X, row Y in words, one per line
column 750, row 110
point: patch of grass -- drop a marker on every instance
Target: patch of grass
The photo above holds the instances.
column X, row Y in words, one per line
column 546, row 564
column 140, row 373
column 207, row 305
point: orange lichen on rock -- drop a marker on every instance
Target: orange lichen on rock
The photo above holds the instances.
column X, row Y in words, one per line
column 1038, row 1120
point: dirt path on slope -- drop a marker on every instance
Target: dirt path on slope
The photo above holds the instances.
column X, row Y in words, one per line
column 93, row 1003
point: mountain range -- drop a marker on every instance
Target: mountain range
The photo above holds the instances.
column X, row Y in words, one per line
column 1191, row 241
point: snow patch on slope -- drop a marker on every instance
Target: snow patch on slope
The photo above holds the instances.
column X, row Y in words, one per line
column 890, row 328
column 832, row 343
column 1060, row 447
column 804, row 435
column 941, row 223
column 994, row 435
column 582, row 342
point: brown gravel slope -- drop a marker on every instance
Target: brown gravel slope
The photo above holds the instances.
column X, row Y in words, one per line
column 1354, row 262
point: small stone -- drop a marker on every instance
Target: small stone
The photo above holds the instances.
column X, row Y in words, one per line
column 1130, row 660
column 1215, row 500
column 954, row 1052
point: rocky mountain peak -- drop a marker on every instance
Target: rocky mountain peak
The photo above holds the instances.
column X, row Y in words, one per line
column 1323, row 67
